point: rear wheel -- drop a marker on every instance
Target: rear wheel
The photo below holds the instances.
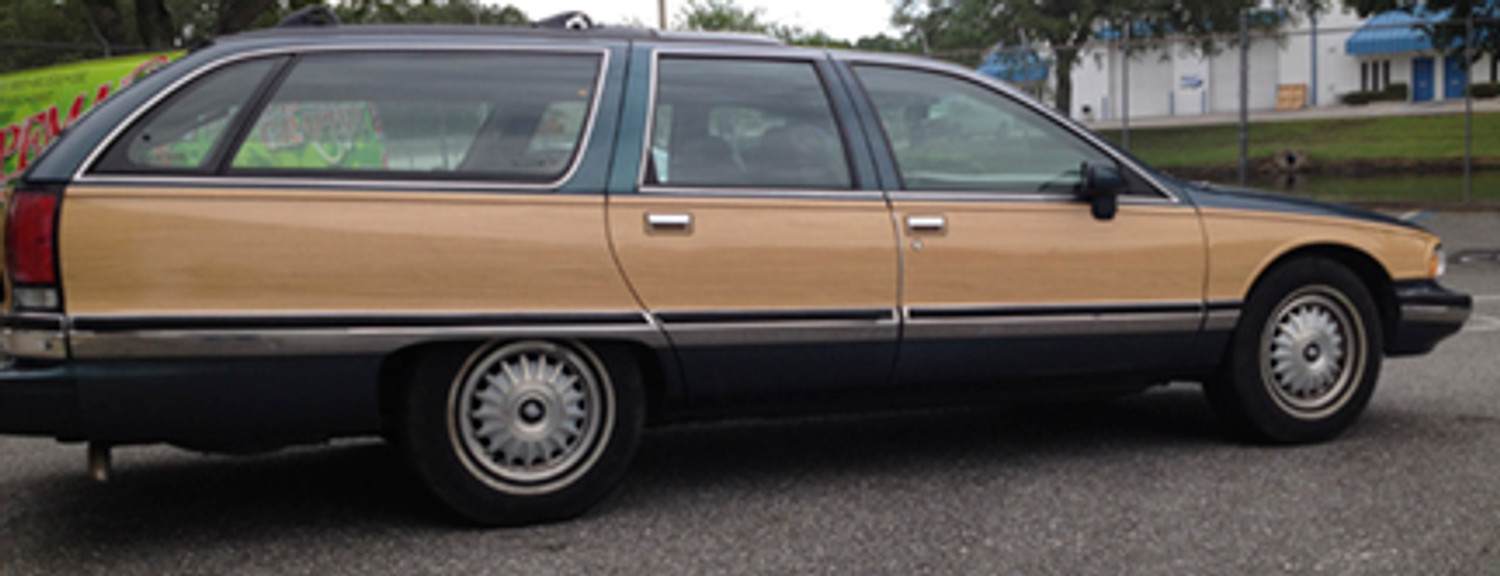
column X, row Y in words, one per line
column 1305, row 357
column 522, row 432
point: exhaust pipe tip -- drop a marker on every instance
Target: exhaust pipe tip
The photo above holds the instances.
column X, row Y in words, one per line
column 100, row 468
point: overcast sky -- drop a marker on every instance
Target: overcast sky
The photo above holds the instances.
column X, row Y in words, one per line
column 845, row 19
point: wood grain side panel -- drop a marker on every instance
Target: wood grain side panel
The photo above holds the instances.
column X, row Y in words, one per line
column 1244, row 244
column 212, row 251
column 1015, row 253
column 758, row 253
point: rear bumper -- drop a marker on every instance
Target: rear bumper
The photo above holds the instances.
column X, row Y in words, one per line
column 1428, row 313
column 38, row 402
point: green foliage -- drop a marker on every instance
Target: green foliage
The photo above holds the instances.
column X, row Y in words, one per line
column 721, row 16
column 727, row 16
column 1484, row 91
column 36, row 33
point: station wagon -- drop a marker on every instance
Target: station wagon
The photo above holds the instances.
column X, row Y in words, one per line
column 509, row 251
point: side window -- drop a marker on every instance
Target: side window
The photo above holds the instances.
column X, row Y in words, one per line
column 744, row 123
column 508, row 116
column 952, row 135
column 181, row 134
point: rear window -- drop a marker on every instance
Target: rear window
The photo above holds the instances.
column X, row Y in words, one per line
column 184, row 134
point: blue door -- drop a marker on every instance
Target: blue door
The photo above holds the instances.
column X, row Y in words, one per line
column 1421, row 79
column 1455, row 77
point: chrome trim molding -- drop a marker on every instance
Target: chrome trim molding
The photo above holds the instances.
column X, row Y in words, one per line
column 1221, row 320
column 726, row 328
column 781, row 333
column 1435, row 313
column 1221, row 315
column 1029, row 197
column 1053, row 325
column 83, row 176
column 322, row 341
column 40, row 344
column 35, row 335
column 647, row 190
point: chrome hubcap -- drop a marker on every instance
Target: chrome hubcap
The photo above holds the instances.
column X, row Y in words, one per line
column 1312, row 351
column 528, row 413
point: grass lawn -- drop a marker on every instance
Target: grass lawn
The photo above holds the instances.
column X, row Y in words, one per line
column 1394, row 139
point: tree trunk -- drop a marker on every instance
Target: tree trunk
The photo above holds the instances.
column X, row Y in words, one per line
column 239, row 15
column 1066, row 58
column 155, row 24
column 108, row 21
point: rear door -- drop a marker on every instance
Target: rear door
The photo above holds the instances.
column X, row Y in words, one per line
column 1006, row 273
column 752, row 230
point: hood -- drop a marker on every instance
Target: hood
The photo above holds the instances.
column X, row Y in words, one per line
column 1213, row 196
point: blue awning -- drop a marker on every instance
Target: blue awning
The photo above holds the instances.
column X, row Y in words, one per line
column 1394, row 32
column 1020, row 67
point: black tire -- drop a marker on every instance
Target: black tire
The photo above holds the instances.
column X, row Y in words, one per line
column 1303, row 360
column 508, row 474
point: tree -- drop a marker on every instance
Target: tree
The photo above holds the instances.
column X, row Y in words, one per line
column 972, row 27
column 726, row 16
column 46, row 32
column 721, row 16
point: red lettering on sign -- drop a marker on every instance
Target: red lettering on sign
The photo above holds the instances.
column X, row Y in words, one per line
column 80, row 104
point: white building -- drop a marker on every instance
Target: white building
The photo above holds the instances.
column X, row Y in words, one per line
column 1337, row 54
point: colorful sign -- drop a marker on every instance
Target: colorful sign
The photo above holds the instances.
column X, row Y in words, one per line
column 36, row 105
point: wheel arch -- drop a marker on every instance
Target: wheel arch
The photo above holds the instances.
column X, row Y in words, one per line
column 1370, row 271
column 399, row 367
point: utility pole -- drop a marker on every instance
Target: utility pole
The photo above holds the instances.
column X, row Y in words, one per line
column 1125, row 89
column 661, row 15
column 1469, row 106
column 1313, row 86
column 1245, row 98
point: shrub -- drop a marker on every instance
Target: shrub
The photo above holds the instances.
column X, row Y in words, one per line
column 1490, row 90
column 1392, row 93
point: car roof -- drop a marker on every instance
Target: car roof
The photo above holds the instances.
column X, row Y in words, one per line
column 438, row 32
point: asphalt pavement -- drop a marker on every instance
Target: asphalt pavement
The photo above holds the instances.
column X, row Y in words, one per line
column 1142, row 485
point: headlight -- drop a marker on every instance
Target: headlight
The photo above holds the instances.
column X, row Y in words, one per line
column 1437, row 262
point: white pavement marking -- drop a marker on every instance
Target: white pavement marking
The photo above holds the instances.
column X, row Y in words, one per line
column 1487, row 298
column 1482, row 323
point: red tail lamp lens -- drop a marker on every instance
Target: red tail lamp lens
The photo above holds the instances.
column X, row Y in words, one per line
column 31, row 239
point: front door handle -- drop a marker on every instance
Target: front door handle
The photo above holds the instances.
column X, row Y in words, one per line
column 926, row 223
column 669, row 221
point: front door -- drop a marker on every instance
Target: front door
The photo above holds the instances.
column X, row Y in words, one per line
column 1422, row 79
column 752, row 237
column 1006, row 274
column 1455, row 76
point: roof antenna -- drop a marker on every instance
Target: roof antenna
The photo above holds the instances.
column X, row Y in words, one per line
column 575, row 20
column 311, row 16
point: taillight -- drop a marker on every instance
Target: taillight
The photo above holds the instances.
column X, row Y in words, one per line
column 31, row 248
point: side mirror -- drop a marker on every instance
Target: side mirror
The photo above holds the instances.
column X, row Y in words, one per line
column 1102, row 186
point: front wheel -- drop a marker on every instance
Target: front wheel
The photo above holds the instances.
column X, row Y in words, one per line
column 522, row 432
column 1305, row 357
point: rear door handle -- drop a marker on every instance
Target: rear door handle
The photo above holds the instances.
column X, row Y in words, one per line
column 926, row 223
column 669, row 221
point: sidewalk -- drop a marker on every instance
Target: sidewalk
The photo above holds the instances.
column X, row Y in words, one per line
column 1374, row 110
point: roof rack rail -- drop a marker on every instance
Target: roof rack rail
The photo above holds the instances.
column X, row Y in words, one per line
column 575, row 20
column 311, row 16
